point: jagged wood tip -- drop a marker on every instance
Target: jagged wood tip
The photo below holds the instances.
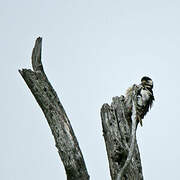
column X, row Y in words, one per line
column 36, row 56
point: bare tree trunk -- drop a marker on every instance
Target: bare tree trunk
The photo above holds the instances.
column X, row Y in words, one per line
column 116, row 127
column 117, row 136
column 55, row 114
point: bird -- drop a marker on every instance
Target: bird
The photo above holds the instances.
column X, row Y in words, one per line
column 144, row 100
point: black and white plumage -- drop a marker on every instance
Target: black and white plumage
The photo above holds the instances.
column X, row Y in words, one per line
column 138, row 101
column 145, row 98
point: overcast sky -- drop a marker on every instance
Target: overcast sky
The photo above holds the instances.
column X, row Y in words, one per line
column 92, row 50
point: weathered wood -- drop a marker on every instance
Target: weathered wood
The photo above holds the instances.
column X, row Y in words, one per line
column 55, row 114
column 117, row 136
column 118, row 130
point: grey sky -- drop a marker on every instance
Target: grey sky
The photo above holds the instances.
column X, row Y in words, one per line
column 92, row 50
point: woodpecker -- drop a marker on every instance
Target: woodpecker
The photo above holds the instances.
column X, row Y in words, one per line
column 138, row 101
column 145, row 98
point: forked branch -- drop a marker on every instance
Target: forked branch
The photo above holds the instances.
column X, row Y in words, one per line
column 120, row 139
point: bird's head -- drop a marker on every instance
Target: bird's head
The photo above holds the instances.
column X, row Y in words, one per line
column 147, row 82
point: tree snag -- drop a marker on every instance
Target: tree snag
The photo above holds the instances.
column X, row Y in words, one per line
column 120, row 139
column 45, row 95
column 119, row 130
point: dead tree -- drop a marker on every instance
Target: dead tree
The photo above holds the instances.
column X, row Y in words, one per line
column 116, row 128
column 121, row 146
